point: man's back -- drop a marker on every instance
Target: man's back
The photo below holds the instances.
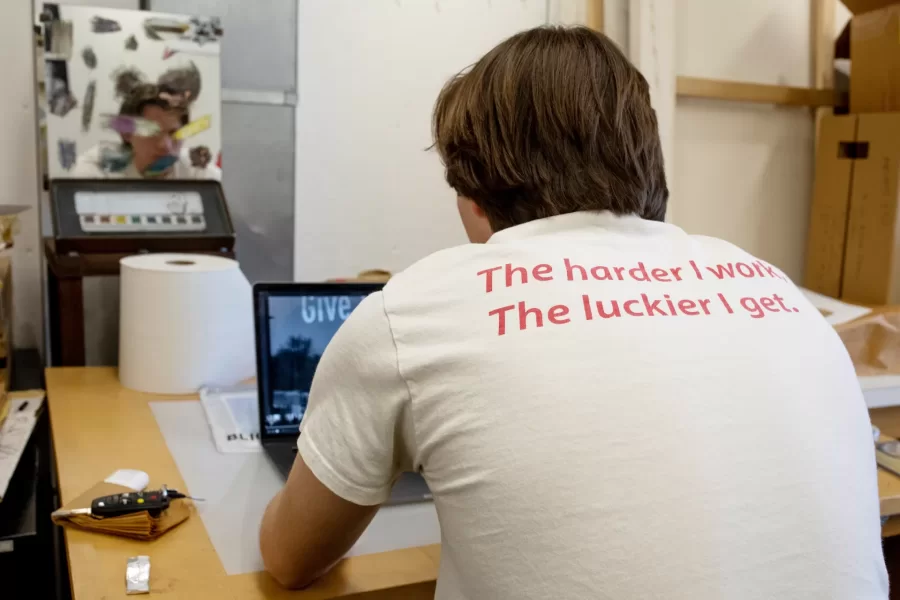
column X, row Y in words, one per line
column 603, row 406
column 687, row 426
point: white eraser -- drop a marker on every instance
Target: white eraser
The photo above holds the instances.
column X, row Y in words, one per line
column 130, row 478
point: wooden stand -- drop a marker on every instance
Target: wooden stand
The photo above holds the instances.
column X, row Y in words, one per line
column 65, row 294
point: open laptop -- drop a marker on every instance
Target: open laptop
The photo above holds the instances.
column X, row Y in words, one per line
column 294, row 323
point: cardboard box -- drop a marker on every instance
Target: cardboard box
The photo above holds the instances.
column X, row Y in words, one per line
column 874, row 55
column 871, row 271
column 853, row 245
column 826, row 240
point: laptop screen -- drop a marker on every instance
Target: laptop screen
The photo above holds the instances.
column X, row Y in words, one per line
column 294, row 326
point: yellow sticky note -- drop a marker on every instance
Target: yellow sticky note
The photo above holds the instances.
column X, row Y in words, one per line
column 193, row 128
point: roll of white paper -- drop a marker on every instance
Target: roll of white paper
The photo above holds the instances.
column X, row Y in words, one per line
column 186, row 320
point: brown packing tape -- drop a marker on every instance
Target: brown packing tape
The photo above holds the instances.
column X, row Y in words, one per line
column 139, row 525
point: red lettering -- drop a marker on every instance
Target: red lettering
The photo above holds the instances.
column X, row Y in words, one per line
column 542, row 272
column 652, row 307
column 688, row 307
column 696, row 269
column 596, row 274
column 630, row 311
column 676, row 273
column 570, row 268
column 588, row 313
column 780, row 302
column 752, row 307
column 721, row 270
column 661, row 275
column 724, row 303
column 768, row 304
column 523, row 314
column 501, row 317
column 608, row 315
column 509, row 274
column 639, row 270
column 489, row 278
column 619, row 271
column 771, row 270
column 744, row 270
column 671, row 306
column 557, row 314
column 704, row 304
column 759, row 268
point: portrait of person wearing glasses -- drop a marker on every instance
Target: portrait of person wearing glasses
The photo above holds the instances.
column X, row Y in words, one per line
column 147, row 122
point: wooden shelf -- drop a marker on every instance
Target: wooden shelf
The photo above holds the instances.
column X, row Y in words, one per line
column 713, row 89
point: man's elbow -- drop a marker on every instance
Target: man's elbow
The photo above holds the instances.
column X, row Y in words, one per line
column 292, row 576
column 292, row 580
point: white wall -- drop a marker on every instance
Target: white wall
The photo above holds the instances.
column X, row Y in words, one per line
column 18, row 165
column 368, row 194
column 744, row 172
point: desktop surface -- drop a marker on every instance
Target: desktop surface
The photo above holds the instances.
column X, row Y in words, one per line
column 99, row 427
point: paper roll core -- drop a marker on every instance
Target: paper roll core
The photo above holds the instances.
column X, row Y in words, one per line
column 180, row 263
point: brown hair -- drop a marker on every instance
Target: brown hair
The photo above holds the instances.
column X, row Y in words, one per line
column 137, row 94
column 554, row 120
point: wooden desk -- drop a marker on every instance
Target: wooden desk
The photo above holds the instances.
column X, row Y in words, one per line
column 99, row 427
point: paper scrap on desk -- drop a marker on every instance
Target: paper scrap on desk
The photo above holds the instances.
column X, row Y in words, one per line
column 233, row 417
column 873, row 344
column 130, row 478
column 835, row 312
column 24, row 408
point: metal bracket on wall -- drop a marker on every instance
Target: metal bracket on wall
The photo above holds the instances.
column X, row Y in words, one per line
column 267, row 97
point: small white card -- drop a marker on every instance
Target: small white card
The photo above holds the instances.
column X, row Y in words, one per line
column 15, row 432
column 130, row 478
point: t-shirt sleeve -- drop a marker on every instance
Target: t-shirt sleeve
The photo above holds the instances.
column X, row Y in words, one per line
column 357, row 434
column 86, row 168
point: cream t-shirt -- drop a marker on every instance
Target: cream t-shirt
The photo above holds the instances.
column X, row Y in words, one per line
column 607, row 407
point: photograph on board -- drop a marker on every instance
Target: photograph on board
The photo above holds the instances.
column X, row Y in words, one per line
column 129, row 94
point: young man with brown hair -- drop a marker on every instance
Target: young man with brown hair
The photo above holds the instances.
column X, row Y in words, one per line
column 602, row 405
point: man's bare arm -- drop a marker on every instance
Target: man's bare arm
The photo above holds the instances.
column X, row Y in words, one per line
column 307, row 528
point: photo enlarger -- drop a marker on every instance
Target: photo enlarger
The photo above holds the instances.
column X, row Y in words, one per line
column 97, row 222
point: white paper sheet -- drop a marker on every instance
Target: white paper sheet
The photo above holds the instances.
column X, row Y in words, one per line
column 15, row 432
column 237, row 487
column 233, row 417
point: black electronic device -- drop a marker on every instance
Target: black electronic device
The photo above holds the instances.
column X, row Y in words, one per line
column 294, row 324
column 153, row 501
column 97, row 216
